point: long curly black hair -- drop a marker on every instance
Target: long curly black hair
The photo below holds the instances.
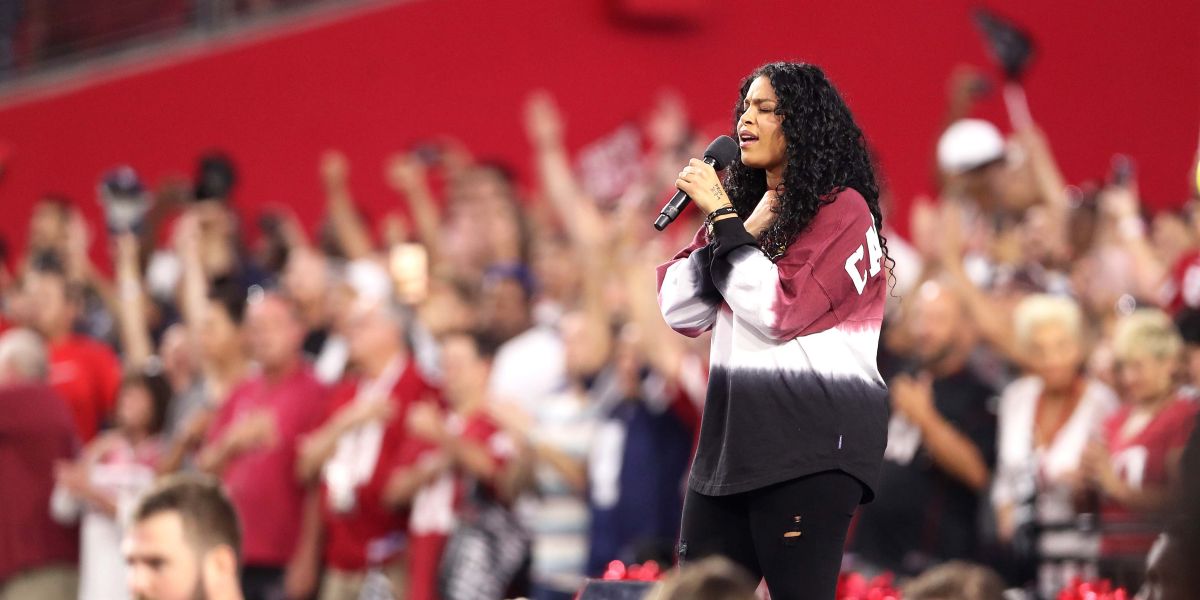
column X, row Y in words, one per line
column 826, row 153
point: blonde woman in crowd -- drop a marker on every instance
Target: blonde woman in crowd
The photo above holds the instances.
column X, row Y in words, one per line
column 1133, row 467
column 1045, row 420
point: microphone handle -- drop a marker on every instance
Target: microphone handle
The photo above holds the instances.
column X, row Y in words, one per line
column 676, row 204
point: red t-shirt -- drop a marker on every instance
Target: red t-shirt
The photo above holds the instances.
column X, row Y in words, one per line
column 1182, row 289
column 1141, row 461
column 86, row 373
column 348, row 534
column 262, row 483
column 35, row 431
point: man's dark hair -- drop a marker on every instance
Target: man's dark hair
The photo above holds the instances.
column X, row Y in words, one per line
column 49, row 263
column 59, row 202
column 1188, row 322
column 231, row 295
column 209, row 519
column 486, row 343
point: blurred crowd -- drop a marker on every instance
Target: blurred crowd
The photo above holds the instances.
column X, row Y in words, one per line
column 475, row 395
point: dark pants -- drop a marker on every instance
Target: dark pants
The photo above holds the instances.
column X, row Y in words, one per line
column 262, row 583
column 790, row 533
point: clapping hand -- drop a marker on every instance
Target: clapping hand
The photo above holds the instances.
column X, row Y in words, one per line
column 426, row 421
column 362, row 412
column 253, row 431
column 1098, row 468
column 71, row 475
column 543, row 123
column 913, row 396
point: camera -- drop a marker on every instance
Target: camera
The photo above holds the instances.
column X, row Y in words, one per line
column 125, row 200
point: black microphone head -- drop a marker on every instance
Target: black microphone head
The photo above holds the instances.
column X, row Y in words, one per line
column 723, row 151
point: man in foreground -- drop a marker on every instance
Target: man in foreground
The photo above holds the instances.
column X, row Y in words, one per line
column 185, row 542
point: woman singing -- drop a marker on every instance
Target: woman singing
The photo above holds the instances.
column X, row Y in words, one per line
column 788, row 274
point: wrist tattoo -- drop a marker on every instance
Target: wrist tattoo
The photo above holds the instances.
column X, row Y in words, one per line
column 718, row 192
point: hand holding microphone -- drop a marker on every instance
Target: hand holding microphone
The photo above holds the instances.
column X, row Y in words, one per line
column 698, row 181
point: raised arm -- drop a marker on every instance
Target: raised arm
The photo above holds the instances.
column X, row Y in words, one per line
column 1120, row 205
column 575, row 210
column 135, row 334
column 193, row 289
column 991, row 319
column 407, row 176
column 348, row 227
column 1051, row 185
column 80, row 270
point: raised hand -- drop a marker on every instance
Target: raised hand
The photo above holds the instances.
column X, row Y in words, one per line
column 253, row 431
column 543, row 122
column 667, row 125
column 426, row 421
column 405, row 172
column 334, row 169
column 71, row 475
column 965, row 85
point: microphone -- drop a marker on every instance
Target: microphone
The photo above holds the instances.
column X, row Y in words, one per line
column 719, row 154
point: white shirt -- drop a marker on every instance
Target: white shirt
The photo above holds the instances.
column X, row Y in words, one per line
column 1019, row 465
column 529, row 367
column 102, row 571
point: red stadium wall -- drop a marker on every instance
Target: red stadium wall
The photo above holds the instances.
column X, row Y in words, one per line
column 1110, row 77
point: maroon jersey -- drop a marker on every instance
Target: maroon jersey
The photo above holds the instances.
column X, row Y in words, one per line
column 1182, row 289
column 349, row 533
column 793, row 384
column 1141, row 461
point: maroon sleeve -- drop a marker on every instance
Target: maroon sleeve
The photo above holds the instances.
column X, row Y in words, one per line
column 483, row 432
column 832, row 272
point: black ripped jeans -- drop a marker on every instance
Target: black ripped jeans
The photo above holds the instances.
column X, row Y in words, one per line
column 790, row 533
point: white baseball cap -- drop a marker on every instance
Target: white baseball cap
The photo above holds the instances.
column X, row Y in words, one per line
column 967, row 144
column 369, row 280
